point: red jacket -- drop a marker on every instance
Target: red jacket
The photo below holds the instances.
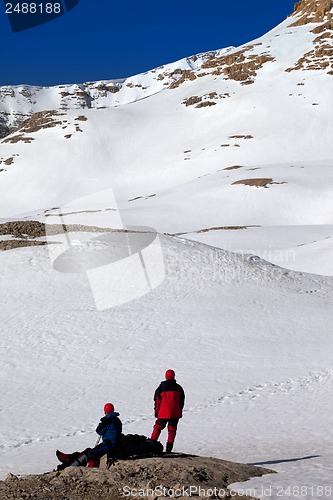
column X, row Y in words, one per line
column 169, row 400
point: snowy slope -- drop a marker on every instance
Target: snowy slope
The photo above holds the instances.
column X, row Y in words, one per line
column 212, row 319
column 237, row 137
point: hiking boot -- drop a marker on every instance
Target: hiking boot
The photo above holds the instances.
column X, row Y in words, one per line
column 168, row 448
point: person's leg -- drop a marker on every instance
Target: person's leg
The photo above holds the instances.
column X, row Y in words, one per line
column 158, row 427
column 81, row 459
column 98, row 452
column 172, row 430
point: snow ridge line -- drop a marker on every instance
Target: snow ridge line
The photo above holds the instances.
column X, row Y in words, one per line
column 249, row 394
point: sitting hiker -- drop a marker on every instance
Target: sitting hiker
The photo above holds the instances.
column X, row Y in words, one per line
column 169, row 401
column 109, row 429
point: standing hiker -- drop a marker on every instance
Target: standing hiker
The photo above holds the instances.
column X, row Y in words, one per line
column 169, row 401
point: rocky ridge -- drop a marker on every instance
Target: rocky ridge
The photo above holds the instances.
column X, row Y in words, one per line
column 313, row 11
column 177, row 475
column 18, row 103
column 321, row 56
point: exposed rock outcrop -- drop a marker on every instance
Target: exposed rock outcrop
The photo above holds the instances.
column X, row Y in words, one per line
column 156, row 477
column 313, row 11
column 321, row 56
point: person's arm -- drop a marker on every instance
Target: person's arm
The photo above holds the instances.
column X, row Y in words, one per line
column 101, row 428
column 157, row 401
column 182, row 398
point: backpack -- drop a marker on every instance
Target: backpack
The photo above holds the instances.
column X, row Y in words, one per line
column 136, row 445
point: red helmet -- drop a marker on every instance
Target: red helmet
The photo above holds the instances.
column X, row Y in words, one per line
column 108, row 408
column 170, row 375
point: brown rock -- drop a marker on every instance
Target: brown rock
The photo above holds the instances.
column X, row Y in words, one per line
column 177, row 472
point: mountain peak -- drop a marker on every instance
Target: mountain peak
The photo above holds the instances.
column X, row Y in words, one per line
column 319, row 12
column 314, row 11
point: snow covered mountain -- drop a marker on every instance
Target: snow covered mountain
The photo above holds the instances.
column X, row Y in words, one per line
column 220, row 147
column 240, row 64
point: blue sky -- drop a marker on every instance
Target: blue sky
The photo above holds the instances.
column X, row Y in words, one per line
column 105, row 39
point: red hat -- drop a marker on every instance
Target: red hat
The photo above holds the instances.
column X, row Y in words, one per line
column 108, row 408
column 170, row 375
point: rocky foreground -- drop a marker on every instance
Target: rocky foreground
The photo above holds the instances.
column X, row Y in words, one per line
column 175, row 475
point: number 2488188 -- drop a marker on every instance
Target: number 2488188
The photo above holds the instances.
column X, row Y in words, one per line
column 33, row 8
